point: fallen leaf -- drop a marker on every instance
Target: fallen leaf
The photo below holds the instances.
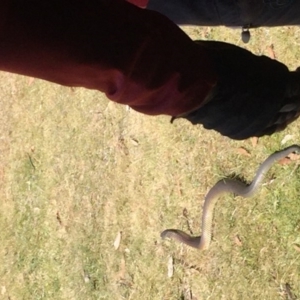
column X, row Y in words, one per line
column 294, row 156
column 170, row 267
column 238, row 241
column 243, row 151
column 271, row 51
column 296, row 247
column 254, row 141
column 287, row 138
column 3, row 289
column 31, row 80
column 290, row 158
column 86, row 277
column 284, row 161
column 134, row 141
column 187, row 293
column 118, row 240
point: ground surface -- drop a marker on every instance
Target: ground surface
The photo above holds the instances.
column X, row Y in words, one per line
column 87, row 186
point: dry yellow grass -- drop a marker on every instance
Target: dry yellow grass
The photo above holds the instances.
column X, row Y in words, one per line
column 77, row 173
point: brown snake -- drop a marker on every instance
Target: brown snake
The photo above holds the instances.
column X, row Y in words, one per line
column 225, row 186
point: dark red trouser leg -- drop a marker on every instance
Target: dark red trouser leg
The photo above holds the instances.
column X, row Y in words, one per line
column 135, row 56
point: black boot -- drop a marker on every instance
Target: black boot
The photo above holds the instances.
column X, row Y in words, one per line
column 254, row 95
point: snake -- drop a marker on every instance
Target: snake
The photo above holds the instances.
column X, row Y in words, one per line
column 226, row 185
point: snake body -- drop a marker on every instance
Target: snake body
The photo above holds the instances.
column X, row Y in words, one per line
column 225, row 186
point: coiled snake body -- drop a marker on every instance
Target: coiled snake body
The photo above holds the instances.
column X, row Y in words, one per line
column 225, row 186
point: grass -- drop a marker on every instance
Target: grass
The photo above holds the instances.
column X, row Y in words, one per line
column 77, row 171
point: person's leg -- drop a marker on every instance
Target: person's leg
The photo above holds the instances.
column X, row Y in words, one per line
column 241, row 13
column 188, row 12
column 140, row 58
column 254, row 95
column 135, row 56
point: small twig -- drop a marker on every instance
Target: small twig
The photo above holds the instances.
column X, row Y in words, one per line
column 31, row 162
column 289, row 293
column 186, row 265
column 185, row 214
column 58, row 218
